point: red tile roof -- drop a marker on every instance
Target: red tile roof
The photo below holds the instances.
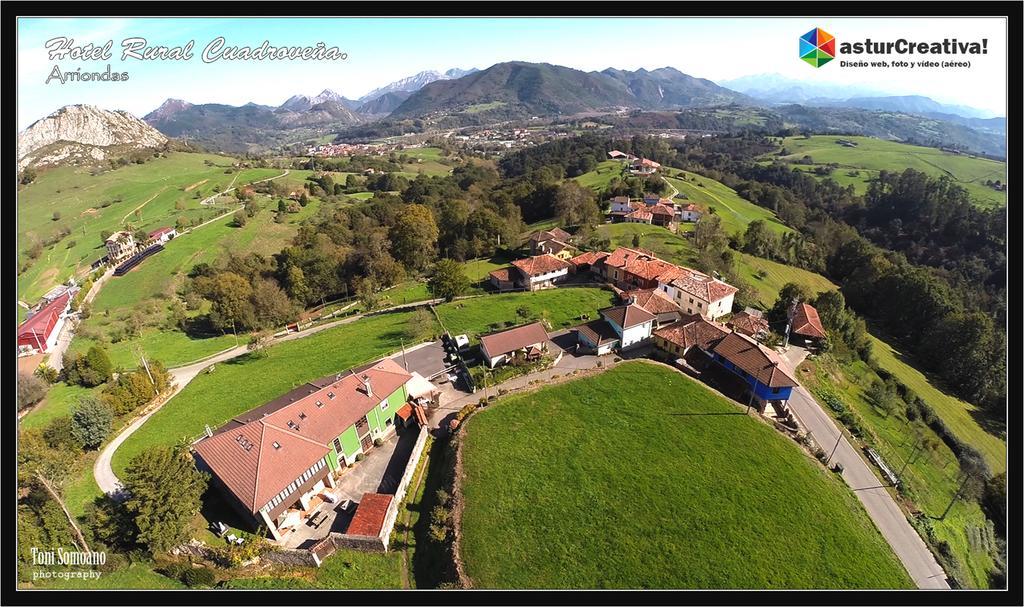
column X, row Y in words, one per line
column 405, row 411
column 806, row 321
column 701, row 285
column 41, row 323
column 251, row 467
column 627, row 316
column 514, row 339
column 552, row 234
column 760, row 362
column 540, row 264
column 502, row 274
column 641, row 214
column 693, row 331
column 369, row 517
column 303, row 430
column 748, row 324
column 651, row 300
column 661, row 209
column 589, row 258
column 157, row 233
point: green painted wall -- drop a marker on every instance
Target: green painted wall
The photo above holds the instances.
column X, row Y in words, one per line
column 377, row 419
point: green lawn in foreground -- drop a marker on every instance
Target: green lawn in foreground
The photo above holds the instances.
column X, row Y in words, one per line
column 874, row 155
column 642, row 478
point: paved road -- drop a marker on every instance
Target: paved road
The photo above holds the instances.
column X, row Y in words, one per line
column 918, row 560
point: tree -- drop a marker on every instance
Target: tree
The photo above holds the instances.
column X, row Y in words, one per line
column 59, row 434
column 230, row 296
column 448, row 280
column 414, row 237
column 258, row 344
column 759, row 240
column 636, row 240
column 420, row 326
column 46, row 373
column 787, row 294
column 56, row 216
column 575, row 205
column 31, row 390
column 708, row 234
column 240, row 217
column 90, row 370
column 90, row 422
column 28, row 176
column 164, row 492
column 271, row 304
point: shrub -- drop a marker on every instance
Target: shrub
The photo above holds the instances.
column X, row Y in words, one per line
column 377, row 442
column 438, row 533
column 31, row 389
column 360, row 457
column 198, row 578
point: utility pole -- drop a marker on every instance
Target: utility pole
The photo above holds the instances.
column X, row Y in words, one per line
column 146, row 365
column 909, row 459
column 838, row 439
column 405, row 361
column 956, row 495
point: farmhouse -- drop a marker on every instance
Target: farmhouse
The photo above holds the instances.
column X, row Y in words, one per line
column 759, row 368
column 554, row 241
column 503, row 279
column 40, row 331
column 162, row 235
column 639, row 216
column 804, row 322
column 586, row 261
column 688, row 213
column 617, row 155
column 527, row 342
column 662, row 214
column 621, row 206
column 693, row 291
column 620, row 327
column 749, row 322
column 120, row 245
column 541, row 271
column 276, row 463
column 665, row 311
column 643, row 166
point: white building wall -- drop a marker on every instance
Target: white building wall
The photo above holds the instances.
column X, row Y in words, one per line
column 637, row 334
column 539, row 281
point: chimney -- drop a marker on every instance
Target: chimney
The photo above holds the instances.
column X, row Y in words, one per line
column 366, row 385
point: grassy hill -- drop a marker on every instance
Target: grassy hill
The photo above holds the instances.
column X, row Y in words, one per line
column 147, row 196
column 860, row 165
column 642, row 478
column 736, row 212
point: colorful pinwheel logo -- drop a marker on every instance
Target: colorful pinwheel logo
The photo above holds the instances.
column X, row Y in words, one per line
column 817, row 47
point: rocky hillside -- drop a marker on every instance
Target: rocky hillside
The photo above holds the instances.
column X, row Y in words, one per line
column 83, row 134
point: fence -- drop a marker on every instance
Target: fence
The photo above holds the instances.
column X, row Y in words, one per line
column 378, row 543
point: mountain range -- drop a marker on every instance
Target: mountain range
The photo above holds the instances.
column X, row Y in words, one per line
column 519, row 90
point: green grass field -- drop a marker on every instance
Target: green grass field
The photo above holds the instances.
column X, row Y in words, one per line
column 957, row 414
column 860, row 165
column 643, row 478
column 345, row 569
column 928, row 468
column 155, row 190
column 736, row 212
column 602, row 175
column 134, row 576
column 243, row 383
column 59, row 401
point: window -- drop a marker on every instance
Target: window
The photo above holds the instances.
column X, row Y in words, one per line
column 691, row 300
column 319, row 404
column 699, row 305
column 330, row 395
column 775, row 390
column 384, row 405
column 277, row 445
column 388, row 422
column 337, row 445
column 302, row 416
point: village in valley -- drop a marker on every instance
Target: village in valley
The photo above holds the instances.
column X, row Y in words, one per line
column 518, row 326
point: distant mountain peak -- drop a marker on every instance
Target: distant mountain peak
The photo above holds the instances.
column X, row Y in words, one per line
column 416, row 82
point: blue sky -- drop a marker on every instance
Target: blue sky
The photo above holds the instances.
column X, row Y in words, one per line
column 383, row 50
